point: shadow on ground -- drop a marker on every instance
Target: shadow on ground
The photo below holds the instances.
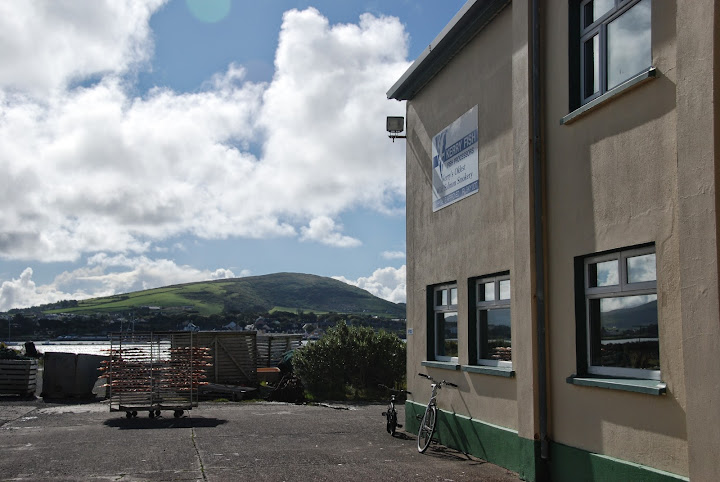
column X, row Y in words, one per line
column 160, row 422
column 441, row 452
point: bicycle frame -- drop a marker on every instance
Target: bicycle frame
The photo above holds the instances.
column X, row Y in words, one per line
column 391, row 413
column 427, row 423
column 433, row 395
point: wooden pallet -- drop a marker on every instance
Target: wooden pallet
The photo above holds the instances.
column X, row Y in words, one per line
column 18, row 377
column 271, row 347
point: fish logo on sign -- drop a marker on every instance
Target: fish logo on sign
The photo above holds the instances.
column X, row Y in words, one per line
column 440, row 144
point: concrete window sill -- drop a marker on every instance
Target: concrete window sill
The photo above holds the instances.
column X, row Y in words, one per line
column 651, row 387
column 440, row 364
column 629, row 84
column 486, row 370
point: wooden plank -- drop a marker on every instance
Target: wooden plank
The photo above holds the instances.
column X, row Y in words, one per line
column 18, row 376
column 217, row 362
column 239, row 366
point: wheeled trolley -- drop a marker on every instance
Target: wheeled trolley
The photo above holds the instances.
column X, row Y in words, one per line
column 155, row 371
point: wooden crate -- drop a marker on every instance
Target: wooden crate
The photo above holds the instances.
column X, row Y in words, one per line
column 18, row 377
column 233, row 354
column 271, row 347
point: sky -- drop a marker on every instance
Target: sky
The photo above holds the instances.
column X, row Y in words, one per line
column 145, row 143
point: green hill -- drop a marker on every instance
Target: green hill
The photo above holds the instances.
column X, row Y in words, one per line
column 279, row 291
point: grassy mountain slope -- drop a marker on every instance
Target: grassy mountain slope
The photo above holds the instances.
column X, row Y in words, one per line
column 252, row 294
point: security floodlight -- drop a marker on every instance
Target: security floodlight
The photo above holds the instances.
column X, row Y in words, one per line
column 395, row 125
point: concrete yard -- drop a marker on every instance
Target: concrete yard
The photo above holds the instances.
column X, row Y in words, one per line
column 225, row 441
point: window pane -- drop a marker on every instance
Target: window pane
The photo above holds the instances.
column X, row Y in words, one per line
column 624, row 332
column 494, row 335
column 591, row 57
column 487, row 291
column 596, row 9
column 441, row 298
column 446, row 332
column 628, row 44
column 505, row 289
column 453, row 296
column 641, row 268
column 603, row 274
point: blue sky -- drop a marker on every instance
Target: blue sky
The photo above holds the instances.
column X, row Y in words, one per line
column 154, row 142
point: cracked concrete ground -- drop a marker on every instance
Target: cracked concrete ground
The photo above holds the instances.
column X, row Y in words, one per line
column 219, row 442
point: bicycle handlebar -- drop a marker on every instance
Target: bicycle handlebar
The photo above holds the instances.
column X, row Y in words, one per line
column 433, row 380
column 392, row 389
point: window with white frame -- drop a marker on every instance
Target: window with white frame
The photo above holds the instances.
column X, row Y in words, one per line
column 621, row 313
column 493, row 334
column 615, row 43
column 445, row 326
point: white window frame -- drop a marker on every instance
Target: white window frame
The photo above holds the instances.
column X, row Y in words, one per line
column 450, row 307
column 495, row 304
column 623, row 288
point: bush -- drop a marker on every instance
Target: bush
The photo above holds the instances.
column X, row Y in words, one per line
column 350, row 358
column 7, row 353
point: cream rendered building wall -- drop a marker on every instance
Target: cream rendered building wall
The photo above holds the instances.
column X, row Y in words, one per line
column 698, row 141
column 472, row 237
column 612, row 182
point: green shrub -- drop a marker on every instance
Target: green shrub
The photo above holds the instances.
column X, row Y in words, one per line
column 7, row 353
column 350, row 359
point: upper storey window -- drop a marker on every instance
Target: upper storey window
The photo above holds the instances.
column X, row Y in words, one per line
column 614, row 44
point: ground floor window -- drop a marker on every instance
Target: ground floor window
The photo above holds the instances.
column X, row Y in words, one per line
column 444, row 323
column 620, row 316
column 493, row 340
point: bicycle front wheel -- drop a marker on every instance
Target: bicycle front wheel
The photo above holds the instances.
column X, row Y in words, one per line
column 427, row 428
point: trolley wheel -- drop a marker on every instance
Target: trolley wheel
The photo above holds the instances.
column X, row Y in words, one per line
column 178, row 413
column 152, row 414
column 128, row 414
column 157, row 413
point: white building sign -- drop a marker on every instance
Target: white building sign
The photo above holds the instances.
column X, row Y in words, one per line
column 455, row 161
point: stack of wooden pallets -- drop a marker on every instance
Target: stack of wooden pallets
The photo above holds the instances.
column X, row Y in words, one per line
column 18, row 377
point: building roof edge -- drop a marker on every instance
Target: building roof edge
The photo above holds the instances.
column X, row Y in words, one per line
column 472, row 18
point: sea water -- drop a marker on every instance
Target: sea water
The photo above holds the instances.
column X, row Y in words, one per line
column 77, row 347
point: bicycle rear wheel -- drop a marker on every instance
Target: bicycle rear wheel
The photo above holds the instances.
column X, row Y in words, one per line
column 392, row 422
column 427, row 428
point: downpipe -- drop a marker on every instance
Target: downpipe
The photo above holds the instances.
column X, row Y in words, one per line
column 539, row 244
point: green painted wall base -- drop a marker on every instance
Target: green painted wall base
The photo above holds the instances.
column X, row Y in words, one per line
column 504, row 447
column 572, row 464
column 498, row 445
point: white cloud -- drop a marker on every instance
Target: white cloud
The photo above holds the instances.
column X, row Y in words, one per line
column 23, row 292
column 97, row 169
column 46, row 44
column 325, row 231
column 393, row 254
column 387, row 283
column 104, row 275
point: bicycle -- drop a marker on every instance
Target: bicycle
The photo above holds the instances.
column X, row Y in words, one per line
column 391, row 414
column 427, row 424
